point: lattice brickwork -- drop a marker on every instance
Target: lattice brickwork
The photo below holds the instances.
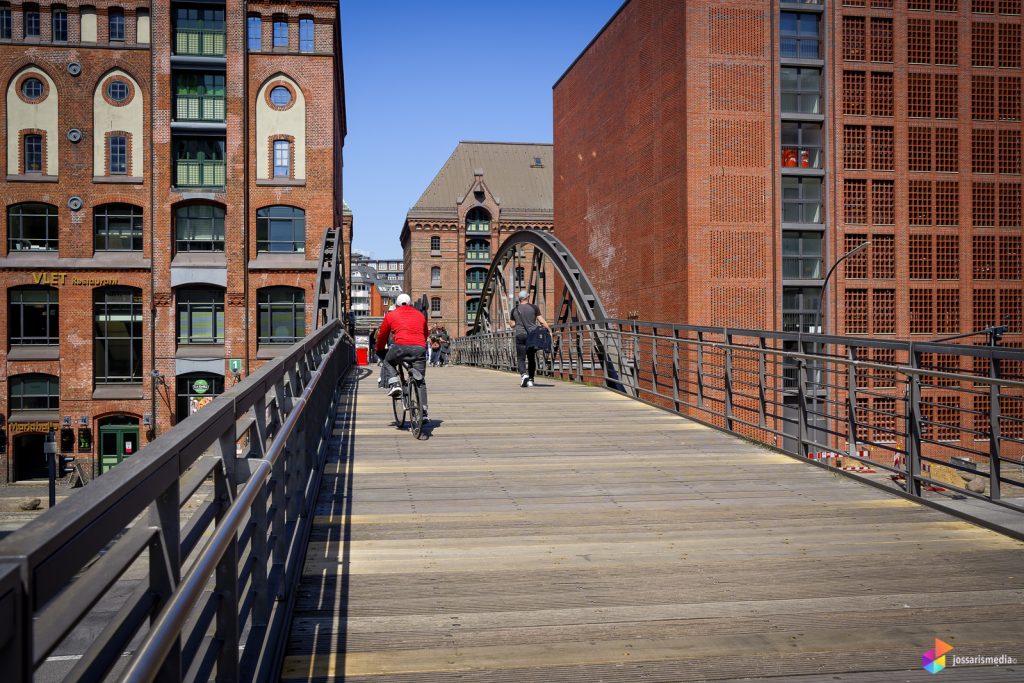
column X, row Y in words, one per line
column 741, row 253
column 738, row 143
column 738, row 87
column 739, row 199
column 737, row 31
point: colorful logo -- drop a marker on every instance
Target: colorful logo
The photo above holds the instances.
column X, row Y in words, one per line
column 934, row 661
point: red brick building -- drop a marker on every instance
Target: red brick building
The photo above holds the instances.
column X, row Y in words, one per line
column 484, row 192
column 723, row 154
column 170, row 170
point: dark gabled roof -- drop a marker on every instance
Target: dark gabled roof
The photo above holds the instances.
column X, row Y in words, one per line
column 509, row 170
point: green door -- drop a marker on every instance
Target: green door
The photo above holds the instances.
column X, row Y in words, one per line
column 117, row 442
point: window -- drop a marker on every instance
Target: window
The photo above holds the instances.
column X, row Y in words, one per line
column 800, row 89
column 33, row 153
column 117, row 160
column 280, row 96
column 59, row 24
column 199, row 227
column 1009, row 205
column 946, row 43
column 881, row 39
column 919, row 95
column 31, row 21
column 881, row 94
column 115, row 24
column 194, row 391
column 520, row 277
column 117, row 227
column 800, row 308
column 882, row 157
column 920, row 149
column 117, row 346
column 947, row 257
column 280, row 31
column 32, row 88
column 984, row 257
column 801, row 255
column 33, row 316
column 801, row 145
column 5, row 22
column 282, row 159
column 1010, row 257
column 984, row 308
column 1009, row 46
column 1009, row 152
column 32, row 227
column 475, row 279
column 983, row 93
column 435, row 306
column 118, row 90
column 801, row 200
column 306, row 34
column 983, row 44
column 947, row 90
column 799, row 35
column 855, row 201
column 919, row 41
column 920, row 202
column 281, row 229
column 856, row 266
column 35, row 392
column 922, row 319
column 947, row 150
column 947, row 202
column 984, row 204
column 254, row 29
column 435, row 276
column 472, row 306
column 920, row 257
column 983, row 156
column 1009, row 98
column 854, row 93
column 200, row 315
column 883, row 256
column 855, row 150
column 856, row 309
column 435, row 243
column 478, row 220
column 883, row 202
column 282, row 315
column 854, row 39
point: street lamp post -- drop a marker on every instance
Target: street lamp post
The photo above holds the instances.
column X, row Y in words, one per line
column 50, row 451
column 821, row 297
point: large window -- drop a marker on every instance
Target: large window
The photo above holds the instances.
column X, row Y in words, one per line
column 33, row 153
column 31, row 21
column 199, row 162
column 280, row 30
column 59, row 23
column 801, row 145
column 117, row 346
column 5, row 22
column 281, row 229
column 32, row 227
column 475, row 278
column 800, row 89
column 435, row 307
column 799, row 35
column 282, row 159
column 472, row 306
column 478, row 250
column 200, row 315
column 199, row 97
column 117, row 227
column 115, row 24
column 117, row 150
column 306, row 34
column 35, row 392
column 435, row 276
column 800, row 308
column 199, row 227
column 282, row 315
column 194, row 391
column 478, row 220
column 255, row 32
column 33, row 316
column 801, row 200
column 801, row 255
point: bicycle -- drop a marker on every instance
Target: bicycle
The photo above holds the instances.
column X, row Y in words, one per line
column 411, row 400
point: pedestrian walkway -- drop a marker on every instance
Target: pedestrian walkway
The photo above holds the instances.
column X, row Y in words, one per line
column 566, row 533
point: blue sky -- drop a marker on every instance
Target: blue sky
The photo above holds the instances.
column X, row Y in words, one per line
column 420, row 75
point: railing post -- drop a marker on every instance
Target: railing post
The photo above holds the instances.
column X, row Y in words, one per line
column 700, row 369
column 801, row 411
column 654, row 359
column 16, row 617
column 675, row 369
column 226, row 585
column 165, row 576
column 914, row 426
column 728, row 381
column 762, row 383
column 851, row 401
column 995, row 436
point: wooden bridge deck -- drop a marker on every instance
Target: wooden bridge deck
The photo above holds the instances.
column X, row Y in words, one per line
column 564, row 533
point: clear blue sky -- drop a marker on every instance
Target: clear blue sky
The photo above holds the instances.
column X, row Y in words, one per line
column 420, row 75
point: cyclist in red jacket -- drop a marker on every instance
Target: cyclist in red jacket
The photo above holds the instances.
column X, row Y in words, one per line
column 409, row 343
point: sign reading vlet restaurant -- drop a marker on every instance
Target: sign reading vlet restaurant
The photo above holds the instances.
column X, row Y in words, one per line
column 60, row 279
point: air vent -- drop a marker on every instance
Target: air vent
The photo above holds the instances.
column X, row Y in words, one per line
column 75, row 135
column 75, row 203
column 74, row 68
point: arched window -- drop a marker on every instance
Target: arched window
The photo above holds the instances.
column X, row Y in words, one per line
column 194, row 391
column 59, row 23
column 478, row 250
column 435, row 276
column 475, row 278
column 117, row 227
column 478, row 221
column 34, row 392
column 200, row 313
column 282, row 159
column 115, row 24
column 472, row 306
column 255, row 32
column 199, row 227
column 306, row 43
column 282, row 315
column 32, row 227
column 32, row 316
column 435, row 243
column 435, row 307
column 280, row 31
column 5, row 22
column 281, row 229
column 117, row 344
column 31, row 20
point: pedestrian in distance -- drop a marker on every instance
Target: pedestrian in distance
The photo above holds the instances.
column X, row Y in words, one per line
column 526, row 318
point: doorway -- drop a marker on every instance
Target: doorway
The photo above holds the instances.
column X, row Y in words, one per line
column 118, row 439
column 29, row 459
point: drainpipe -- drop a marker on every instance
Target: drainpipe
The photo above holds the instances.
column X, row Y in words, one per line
column 245, row 199
column 152, row 224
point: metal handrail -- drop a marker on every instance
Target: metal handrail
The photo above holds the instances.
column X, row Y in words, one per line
column 813, row 396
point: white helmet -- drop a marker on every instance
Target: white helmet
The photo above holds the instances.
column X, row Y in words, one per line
column 403, row 300
column 391, row 308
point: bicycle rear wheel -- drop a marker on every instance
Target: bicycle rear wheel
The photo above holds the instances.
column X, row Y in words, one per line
column 399, row 409
column 415, row 409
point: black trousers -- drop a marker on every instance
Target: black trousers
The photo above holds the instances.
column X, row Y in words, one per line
column 526, row 359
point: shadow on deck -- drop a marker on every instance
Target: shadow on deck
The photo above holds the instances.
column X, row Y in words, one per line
column 568, row 533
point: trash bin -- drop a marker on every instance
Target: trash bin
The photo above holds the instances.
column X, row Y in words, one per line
column 362, row 354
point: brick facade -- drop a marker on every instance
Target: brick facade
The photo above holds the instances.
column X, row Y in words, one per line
column 159, row 271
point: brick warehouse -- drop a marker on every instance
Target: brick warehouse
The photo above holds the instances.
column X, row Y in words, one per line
column 762, row 141
column 140, row 143
column 484, row 192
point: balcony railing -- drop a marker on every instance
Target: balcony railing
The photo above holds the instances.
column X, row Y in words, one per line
column 192, row 173
column 199, row 108
column 472, row 286
column 478, row 256
column 201, row 42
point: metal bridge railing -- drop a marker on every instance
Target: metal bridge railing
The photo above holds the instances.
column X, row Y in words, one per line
column 207, row 525
column 932, row 416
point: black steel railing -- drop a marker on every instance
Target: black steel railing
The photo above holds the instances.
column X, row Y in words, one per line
column 934, row 417
column 203, row 531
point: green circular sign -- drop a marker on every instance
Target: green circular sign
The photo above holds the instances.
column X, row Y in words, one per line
column 200, row 386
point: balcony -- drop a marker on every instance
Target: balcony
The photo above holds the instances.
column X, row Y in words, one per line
column 195, row 173
column 198, row 42
column 200, row 108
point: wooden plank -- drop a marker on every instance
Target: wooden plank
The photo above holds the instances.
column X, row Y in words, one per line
column 567, row 533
